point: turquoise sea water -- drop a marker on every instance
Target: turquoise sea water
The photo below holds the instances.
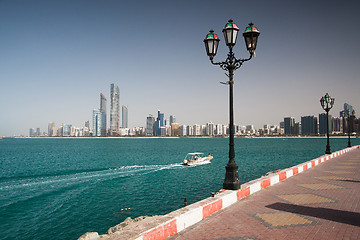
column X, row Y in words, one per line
column 62, row 188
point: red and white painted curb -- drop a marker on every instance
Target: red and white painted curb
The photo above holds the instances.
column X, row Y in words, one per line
column 194, row 213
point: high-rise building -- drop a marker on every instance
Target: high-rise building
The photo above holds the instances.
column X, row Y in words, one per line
column 67, row 130
column 158, row 124
column 172, row 119
column 347, row 108
column 51, row 129
column 124, row 117
column 337, row 125
column 32, row 132
column 162, row 131
column 183, row 130
column 150, row 120
column 210, row 129
column 197, row 130
column 38, row 132
column 219, row 130
column 160, row 118
column 114, row 109
column 157, row 128
column 96, row 123
column 323, row 123
column 289, row 126
column 175, row 129
column 309, row 125
column 189, row 130
column 87, row 124
column 103, row 114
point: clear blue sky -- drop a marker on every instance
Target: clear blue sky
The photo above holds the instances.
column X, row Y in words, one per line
column 57, row 56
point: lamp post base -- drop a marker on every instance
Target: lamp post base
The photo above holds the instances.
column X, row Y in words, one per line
column 328, row 150
column 231, row 178
column 349, row 144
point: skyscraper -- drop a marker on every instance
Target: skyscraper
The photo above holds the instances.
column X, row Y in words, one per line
column 96, row 123
column 150, row 120
column 87, row 124
column 172, row 119
column 67, row 130
column 347, row 108
column 323, row 124
column 210, row 129
column 337, row 124
column 160, row 118
column 309, row 125
column 124, row 117
column 289, row 126
column 103, row 114
column 158, row 124
column 51, row 129
column 175, row 129
column 32, row 132
column 114, row 109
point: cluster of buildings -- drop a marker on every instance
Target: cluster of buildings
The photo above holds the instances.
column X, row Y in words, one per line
column 312, row 125
column 99, row 127
column 163, row 127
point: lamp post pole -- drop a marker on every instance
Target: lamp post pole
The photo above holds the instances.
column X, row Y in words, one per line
column 231, row 178
column 230, row 65
column 349, row 143
column 349, row 119
column 327, row 103
column 328, row 149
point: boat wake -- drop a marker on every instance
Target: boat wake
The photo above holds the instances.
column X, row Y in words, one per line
column 31, row 186
column 86, row 175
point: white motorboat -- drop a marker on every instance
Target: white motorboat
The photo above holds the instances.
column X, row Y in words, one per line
column 196, row 158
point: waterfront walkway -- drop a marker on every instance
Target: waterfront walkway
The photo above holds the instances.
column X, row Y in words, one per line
column 322, row 202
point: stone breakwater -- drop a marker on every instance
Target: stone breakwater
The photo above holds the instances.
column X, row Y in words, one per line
column 162, row 227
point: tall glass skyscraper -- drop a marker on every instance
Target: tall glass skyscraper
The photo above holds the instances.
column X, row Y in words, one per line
column 103, row 114
column 160, row 118
column 96, row 123
column 51, row 129
column 172, row 119
column 150, row 120
column 309, row 125
column 114, row 109
column 289, row 126
column 124, row 117
column 158, row 123
column 323, row 124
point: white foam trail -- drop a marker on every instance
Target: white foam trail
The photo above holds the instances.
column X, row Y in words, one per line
column 123, row 171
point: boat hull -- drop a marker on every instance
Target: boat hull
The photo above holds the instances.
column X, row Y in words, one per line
column 197, row 162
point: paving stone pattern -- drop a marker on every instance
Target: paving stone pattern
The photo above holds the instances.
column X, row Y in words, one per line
column 320, row 203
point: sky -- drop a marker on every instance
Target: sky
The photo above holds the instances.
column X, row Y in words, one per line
column 57, row 56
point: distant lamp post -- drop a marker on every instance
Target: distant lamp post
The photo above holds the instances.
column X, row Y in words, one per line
column 348, row 118
column 327, row 103
column 231, row 63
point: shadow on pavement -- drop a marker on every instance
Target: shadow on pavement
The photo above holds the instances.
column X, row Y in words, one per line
column 352, row 218
column 348, row 180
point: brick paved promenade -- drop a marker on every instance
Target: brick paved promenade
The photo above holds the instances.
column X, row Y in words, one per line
column 320, row 203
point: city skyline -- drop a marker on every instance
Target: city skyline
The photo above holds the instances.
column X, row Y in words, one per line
column 57, row 57
column 163, row 126
column 101, row 123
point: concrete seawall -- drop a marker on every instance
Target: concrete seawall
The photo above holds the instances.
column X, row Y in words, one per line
column 162, row 227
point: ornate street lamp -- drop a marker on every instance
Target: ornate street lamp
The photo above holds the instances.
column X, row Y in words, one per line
column 327, row 103
column 231, row 63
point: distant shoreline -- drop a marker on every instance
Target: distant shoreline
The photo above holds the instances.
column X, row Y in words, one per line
column 170, row 137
